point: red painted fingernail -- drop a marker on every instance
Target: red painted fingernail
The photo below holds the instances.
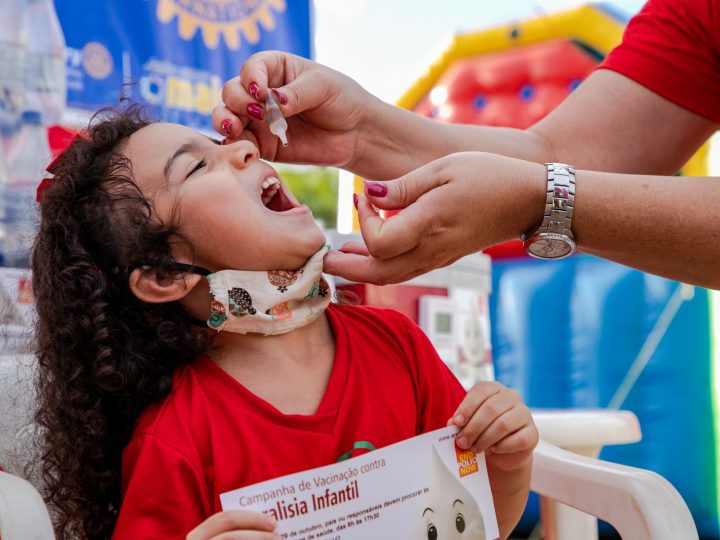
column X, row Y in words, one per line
column 254, row 89
column 355, row 200
column 282, row 98
column 376, row 189
column 226, row 126
column 255, row 110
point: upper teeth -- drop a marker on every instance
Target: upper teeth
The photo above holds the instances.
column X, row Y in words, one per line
column 272, row 185
column 270, row 182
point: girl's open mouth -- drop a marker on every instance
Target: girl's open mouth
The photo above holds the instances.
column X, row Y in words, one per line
column 275, row 196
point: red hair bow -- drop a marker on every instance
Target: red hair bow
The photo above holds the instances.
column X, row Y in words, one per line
column 44, row 184
column 48, row 181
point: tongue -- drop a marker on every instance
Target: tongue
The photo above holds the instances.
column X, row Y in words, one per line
column 279, row 203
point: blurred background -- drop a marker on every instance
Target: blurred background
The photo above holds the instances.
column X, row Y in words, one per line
column 581, row 333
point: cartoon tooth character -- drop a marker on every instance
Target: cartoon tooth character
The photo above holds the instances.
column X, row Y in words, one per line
column 448, row 511
column 472, row 347
column 474, row 355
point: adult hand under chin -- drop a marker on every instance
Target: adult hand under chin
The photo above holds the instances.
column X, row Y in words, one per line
column 449, row 208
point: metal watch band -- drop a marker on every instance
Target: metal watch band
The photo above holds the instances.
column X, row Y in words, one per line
column 559, row 202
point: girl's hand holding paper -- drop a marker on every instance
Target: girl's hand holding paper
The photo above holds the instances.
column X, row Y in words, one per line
column 493, row 419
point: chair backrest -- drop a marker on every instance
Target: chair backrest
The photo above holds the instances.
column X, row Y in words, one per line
column 17, row 398
column 640, row 504
column 23, row 514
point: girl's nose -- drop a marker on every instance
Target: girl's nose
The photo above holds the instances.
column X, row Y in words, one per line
column 242, row 153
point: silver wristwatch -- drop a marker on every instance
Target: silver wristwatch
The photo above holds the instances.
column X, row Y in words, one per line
column 554, row 238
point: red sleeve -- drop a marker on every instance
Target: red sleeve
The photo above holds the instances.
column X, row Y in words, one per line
column 438, row 391
column 672, row 47
column 164, row 494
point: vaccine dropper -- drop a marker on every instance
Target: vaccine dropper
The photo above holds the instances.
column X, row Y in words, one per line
column 275, row 119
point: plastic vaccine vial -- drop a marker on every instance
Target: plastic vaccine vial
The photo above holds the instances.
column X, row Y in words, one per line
column 275, row 119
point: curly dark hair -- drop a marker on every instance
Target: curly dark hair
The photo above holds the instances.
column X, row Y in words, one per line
column 103, row 355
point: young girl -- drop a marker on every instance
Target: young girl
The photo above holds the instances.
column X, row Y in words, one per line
column 187, row 346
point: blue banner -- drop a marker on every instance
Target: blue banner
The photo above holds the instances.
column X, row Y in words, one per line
column 172, row 55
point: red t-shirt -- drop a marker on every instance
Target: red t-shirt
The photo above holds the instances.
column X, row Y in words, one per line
column 672, row 47
column 212, row 435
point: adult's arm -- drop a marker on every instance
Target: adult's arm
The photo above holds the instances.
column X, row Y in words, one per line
column 610, row 123
column 459, row 204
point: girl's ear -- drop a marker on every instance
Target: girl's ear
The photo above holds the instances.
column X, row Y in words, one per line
column 147, row 287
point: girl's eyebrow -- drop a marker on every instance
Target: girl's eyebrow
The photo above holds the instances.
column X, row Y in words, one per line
column 184, row 149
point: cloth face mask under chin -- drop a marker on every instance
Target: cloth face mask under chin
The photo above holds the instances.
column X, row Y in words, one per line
column 268, row 302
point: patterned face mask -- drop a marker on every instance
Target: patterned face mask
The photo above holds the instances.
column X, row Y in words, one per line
column 266, row 302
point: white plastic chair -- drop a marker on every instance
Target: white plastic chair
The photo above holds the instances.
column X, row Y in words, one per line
column 640, row 504
column 23, row 514
column 584, row 432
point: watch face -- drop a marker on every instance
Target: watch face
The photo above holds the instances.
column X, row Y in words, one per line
column 550, row 246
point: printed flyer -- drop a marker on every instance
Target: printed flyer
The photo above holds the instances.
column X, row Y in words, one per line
column 421, row 488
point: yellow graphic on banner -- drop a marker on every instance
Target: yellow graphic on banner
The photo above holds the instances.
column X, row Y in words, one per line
column 231, row 18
